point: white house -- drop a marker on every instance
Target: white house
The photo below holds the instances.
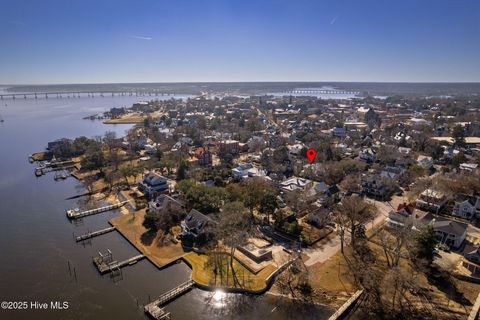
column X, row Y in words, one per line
column 468, row 167
column 294, row 150
column 247, row 170
column 466, row 206
column 295, row 184
column 451, row 233
column 404, row 150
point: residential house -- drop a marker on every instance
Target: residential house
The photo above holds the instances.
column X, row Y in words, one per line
column 338, row 132
column 229, row 146
column 431, row 200
column 392, row 172
column 404, row 150
column 193, row 227
column 376, row 186
column 425, row 161
column 165, row 201
column 247, row 170
column 202, row 157
column 256, row 143
column 317, row 191
column 449, row 232
column 151, row 148
column 295, row 150
column 403, row 216
column 471, row 260
column 468, row 167
column 466, row 206
column 402, row 137
column 319, row 217
column 141, row 141
column 153, row 184
column 368, row 155
column 295, row 184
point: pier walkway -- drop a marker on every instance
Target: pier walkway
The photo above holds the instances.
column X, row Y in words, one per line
column 76, row 213
column 89, row 235
column 155, row 309
column 105, row 264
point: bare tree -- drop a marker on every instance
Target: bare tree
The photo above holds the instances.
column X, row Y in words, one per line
column 353, row 212
column 394, row 245
column 234, row 229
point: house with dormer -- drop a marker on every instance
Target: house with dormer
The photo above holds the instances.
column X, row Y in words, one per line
column 153, row 184
column 466, row 206
column 403, row 216
column 194, row 226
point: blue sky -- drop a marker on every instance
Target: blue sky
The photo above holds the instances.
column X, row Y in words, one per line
column 207, row 40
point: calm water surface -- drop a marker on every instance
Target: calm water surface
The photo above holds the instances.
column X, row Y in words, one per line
column 36, row 238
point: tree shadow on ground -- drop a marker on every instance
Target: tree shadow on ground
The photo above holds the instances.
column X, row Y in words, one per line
column 445, row 282
column 147, row 237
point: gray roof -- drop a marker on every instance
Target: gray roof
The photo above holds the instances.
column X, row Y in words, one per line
column 451, row 227
column 154, row 179
column 472, row 200
column 196, row 220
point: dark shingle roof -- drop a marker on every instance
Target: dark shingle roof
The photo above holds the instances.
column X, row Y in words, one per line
column 154, row 179
column 196, row 219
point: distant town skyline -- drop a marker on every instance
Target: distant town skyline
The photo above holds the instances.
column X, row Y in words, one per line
column 58, row 42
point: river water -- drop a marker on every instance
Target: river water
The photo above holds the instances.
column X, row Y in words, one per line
column 36, row 238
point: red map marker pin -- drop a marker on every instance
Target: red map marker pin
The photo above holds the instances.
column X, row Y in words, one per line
column 311, row 154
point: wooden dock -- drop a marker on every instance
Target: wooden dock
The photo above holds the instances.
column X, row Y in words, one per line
column 89, row 235
column 105, row 264
column 41, row 170
column 155, row 310
column 76, row 213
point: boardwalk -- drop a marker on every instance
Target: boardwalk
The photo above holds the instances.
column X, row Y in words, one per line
column 155, row 309
column 89, row 235
column 76, row 213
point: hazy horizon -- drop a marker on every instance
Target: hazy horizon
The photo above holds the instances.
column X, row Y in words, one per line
column 252, row 81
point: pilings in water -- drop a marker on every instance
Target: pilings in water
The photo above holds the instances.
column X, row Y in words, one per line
column 105, row 263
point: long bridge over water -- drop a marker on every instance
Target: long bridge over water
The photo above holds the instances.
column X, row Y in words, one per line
column 81, row 94
column 321, row 91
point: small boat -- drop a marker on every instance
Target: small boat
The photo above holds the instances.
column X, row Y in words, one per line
column 39, row 171
column 60, row 175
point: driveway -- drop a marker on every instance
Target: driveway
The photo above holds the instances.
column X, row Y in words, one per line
column 330, row 248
